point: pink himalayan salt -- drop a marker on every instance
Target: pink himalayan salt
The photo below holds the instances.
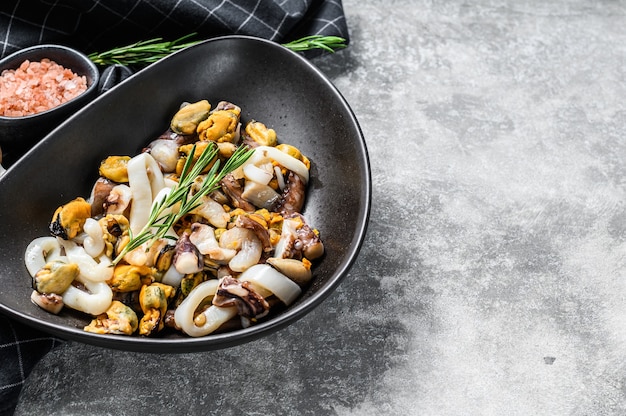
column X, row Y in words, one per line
column 37, row 86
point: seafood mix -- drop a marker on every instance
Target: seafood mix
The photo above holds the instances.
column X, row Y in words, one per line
column 200, row 232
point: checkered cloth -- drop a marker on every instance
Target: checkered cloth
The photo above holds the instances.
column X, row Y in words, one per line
column 99, row 25
column 20, row 349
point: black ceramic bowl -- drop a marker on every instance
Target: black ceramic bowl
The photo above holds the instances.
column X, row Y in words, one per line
column 271, row 84
column 20, row 133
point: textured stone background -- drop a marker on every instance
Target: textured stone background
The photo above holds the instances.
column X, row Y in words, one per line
column 491, row 281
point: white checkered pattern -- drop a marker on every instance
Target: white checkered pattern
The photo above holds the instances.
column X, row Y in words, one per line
column 20, row 349
column 98, row 25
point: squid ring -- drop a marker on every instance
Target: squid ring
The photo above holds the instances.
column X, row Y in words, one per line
column 95, row 302
column 213, row 316
column 40, row 251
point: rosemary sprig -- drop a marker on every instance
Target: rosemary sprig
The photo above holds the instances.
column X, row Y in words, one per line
column 141, row 53
column 149, row 51
column 163, row 216
column 328, row 43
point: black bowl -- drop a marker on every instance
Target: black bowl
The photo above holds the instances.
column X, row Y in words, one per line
column 18, row 134
column 271, row 84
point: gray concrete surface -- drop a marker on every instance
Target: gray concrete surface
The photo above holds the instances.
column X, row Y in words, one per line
column 491, row 281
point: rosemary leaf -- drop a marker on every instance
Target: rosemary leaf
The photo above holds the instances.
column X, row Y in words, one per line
column 160, row 220
column 142, row 52
column 149, row 51
column 328, row 43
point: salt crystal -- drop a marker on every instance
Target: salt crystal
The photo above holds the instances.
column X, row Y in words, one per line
column 40, row 86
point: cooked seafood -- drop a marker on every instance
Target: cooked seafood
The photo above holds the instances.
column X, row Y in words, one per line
column 154, row 299
column 118, row 319
column 68, row 219
column 292, row 198
column 50, row 302
column 200, row 230
column 297, row 270
column 115, row 169
column 55, row 277
column 234, row 292
column 186, row 120
column 187, row 258
column 222, row 125
column 259, row 133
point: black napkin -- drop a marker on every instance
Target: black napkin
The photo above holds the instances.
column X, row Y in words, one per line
column 20, row 349
column 99, row 25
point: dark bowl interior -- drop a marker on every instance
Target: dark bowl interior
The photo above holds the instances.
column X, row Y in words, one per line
column 18, row 134
column 271, row 84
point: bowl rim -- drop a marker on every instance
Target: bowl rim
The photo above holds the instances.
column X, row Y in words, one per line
column 91, row 71
column 240, row 336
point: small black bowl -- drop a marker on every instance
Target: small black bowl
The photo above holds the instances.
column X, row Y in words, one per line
column 18, row 134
